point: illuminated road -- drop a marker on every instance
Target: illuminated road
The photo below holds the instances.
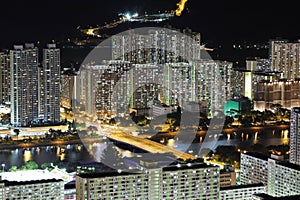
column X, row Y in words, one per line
column 147, row 145
column 33, row 130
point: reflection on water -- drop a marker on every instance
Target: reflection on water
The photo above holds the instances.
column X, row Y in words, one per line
column 27, row 155
column 127, row 153
column 255, row 138
column 245, row 139
column 79, row 153
column 171, row 143
column 286, row 139
column 62, row 156
column 49, row 154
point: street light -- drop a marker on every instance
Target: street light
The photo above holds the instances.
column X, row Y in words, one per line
column 3, row 165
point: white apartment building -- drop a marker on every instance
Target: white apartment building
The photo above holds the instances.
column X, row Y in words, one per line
column 188, row 181
column 281, row 178
column 241, row 192
column 31, row 184
column 254, row 168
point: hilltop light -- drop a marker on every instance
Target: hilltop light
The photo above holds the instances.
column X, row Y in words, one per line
column 128, row 16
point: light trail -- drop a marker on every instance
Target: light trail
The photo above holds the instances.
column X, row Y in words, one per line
column 180, row 8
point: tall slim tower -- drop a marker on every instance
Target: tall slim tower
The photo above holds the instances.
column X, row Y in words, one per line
column 4, row 78
column 49, row 96
column 24, row 84
column 295, row 136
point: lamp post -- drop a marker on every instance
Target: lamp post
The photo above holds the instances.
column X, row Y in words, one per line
column 3, row 165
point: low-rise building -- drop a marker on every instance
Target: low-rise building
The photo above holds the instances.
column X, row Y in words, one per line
column 227, row 177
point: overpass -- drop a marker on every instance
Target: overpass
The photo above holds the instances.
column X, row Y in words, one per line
column 147, row 145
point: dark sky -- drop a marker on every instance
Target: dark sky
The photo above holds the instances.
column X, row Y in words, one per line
column 225, row 21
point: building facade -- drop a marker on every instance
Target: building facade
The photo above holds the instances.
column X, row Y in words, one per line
column 31, row 184
column 4, row 78
column 49, row 82
column 285, row 58
column 192, row 181
column 285, row 93
column 295, row 136
column 244, row 192
column 35, row 90
column 281, row 178
column 42, row 189
column 227, row 177
column 24, row 84
column 254, row 168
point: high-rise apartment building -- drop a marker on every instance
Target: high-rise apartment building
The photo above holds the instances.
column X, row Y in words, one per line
column 156, row 64
column 283, row 92
column 24, row 84
column 119, row 85
column 49, row 85
column 35, row 90
column 179, row 83
column 281, row 178
column 254, row 168
column 67, row 90
column 213, row 83
column 285, row 58
column 4, row 78
column 295, row 136
column 157, row 46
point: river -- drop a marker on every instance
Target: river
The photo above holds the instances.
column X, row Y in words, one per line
column 75, row 153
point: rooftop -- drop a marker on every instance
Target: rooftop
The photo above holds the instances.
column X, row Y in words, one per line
column 172, row 167
column 289, row 165
column 257, row 155
column 28, row 175
column 186, row 166
column 268, row 197
column 236, row 187
column 105, row 174
column 32, row 182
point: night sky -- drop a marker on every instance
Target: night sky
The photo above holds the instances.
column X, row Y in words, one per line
column 221, row 21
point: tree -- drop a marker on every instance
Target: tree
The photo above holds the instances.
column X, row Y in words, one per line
column 46, row 166
column 13, row 169
column 17, row 132
column 228, row 121
column 276, row 107
column 30, row 165
column 92, row 130
column 112, row 121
